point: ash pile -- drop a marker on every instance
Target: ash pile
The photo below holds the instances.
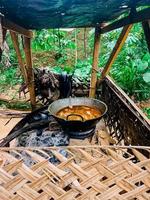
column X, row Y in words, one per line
column 38, row 128
column 42, row 131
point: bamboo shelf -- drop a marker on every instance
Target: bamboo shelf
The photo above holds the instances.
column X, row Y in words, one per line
column 98, row 172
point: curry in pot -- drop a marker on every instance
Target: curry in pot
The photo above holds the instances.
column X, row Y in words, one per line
column 81, row 113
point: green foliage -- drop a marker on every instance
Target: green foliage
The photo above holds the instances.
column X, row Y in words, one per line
column 46, row 40
column 131, row 69
column 134, row 77
column 59, row 43
column 18, row 105
column 82, row 69
column 147, row 112
column 9, row 77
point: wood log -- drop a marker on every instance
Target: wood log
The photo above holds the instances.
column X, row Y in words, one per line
column 12, row 114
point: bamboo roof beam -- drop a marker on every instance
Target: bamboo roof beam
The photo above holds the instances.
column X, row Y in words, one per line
column 6, row 24
column 30, row 74
column 120, row 42
column 131, row 19
column 15, row 41
column 95, row 63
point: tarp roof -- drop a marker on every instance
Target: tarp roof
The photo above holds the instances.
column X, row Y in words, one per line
column 38, row 14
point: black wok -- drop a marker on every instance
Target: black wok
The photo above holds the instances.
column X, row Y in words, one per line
column 76, row 125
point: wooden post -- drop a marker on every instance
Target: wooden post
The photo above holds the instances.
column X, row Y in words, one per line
column 30, row 74
column 121, row 40
column 14, row 38
column 146, row 28
column 95, row 63
column 4, row 31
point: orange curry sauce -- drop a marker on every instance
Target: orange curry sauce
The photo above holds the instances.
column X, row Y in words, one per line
column 85, row 112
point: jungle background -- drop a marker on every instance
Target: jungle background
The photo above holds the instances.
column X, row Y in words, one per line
column 71, row 51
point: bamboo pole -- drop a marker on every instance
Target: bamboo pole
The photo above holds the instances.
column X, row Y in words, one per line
column 85, row 43
column 76, row 147
column 120, row 42
column 140, row 16
column 2, row 37
column 14, row 38
column 76, row 49
column 9, row 25
column 30, row 74
column 95, row 63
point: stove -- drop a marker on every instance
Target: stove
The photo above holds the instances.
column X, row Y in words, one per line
column 81, row 134
column 41, row 129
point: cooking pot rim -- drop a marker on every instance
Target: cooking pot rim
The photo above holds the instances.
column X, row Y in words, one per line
column 99, row 101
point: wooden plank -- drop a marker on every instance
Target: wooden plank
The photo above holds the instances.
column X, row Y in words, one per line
column 121, row 40
column 14, row 38
column 146, row 28
column 30, row 74
column 16, row 28
column 95, row 63
column 138, row 17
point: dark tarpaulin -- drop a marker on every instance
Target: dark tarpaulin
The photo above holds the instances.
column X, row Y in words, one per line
column 38, row 14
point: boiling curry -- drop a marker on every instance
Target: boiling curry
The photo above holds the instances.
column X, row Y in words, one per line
column 81, row 113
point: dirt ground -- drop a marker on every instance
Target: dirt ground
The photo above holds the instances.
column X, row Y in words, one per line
column 6, row 125
column 7, row 122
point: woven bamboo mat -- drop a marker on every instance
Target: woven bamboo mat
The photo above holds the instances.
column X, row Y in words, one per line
column 105, row 173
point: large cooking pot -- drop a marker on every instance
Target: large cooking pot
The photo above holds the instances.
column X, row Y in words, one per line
column 77, row 125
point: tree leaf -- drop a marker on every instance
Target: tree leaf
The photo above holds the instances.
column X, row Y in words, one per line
column 146, row 77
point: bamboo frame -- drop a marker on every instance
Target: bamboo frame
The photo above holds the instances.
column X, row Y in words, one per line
column 120, row 42
column 30, row 74
column 29, row 77
column 132, row 18
column 15, row 41
column 16, row 28
column 95, row 63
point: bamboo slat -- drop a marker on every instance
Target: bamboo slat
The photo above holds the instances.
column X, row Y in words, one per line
column 74, row 173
